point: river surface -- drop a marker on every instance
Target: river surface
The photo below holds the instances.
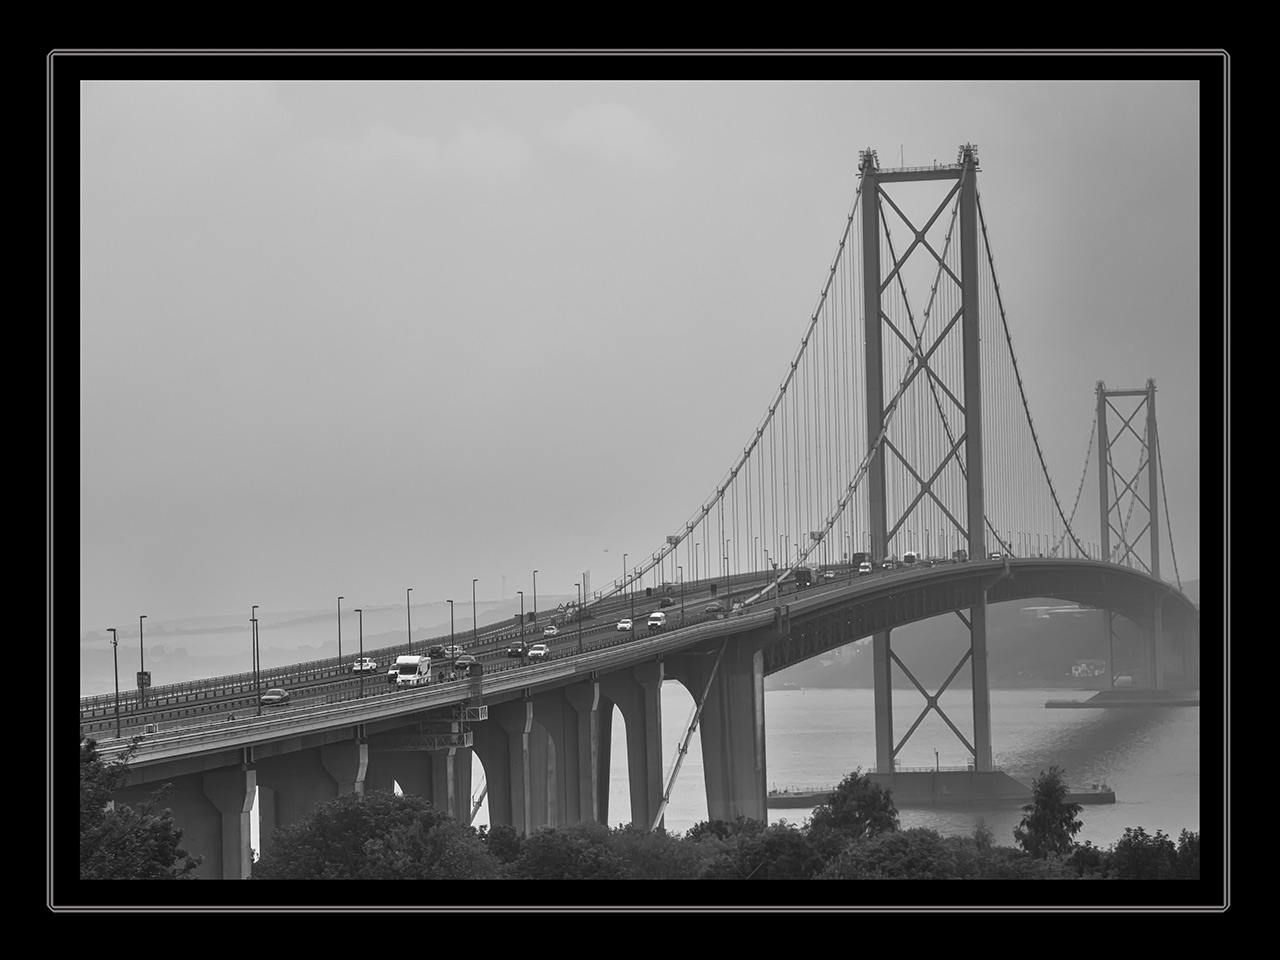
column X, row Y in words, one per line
column 1149, row 756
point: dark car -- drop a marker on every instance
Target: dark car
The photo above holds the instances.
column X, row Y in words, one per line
column 666, row 602
column 435, row 650
column 713, row 607
column 274, row 697
column 465, row 661
column 517, row 648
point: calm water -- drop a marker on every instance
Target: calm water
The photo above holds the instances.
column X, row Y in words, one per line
column 1150, row 757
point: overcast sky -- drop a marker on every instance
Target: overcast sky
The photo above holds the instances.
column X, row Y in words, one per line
column 349, row 338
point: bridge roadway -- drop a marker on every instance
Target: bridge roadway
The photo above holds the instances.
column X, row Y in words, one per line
column 543, row 730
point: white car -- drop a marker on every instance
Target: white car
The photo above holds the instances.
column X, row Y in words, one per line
column 365, row 665
column 624, row 624
column 864, row 568
column 539, row 651
column 452, row 651
column 550, row 630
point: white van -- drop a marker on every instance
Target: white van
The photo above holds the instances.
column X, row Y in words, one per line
column 411, row 671
column 657, row 620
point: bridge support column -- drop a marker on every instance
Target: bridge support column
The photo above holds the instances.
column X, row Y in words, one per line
column 516, row 720
column 553, row 719
column 493, row 747
column 639, row 697
column 451, row 781
column 583, row 793
column 205, row 807
column 231, row 792
column 297, row 781
column 983, row 761
column 605, row 745
column 346, row 763
column 882, row 675
column 732, row 729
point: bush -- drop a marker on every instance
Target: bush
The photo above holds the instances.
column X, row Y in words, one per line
column 376, row 835
column 1137, row 856
column 121, row 843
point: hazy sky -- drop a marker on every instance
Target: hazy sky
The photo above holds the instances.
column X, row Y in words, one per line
column 349, row 338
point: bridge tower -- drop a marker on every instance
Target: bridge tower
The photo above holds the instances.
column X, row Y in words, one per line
column 878, row 327
column 1117, row 499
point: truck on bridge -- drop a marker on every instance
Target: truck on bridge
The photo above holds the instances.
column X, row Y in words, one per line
column 412, row 671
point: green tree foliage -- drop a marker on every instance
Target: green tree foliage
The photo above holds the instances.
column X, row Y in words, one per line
column 656, row 856
column 1090, row 862
column 856, row 809
column 503, row 841
column 724, row 829
column 579, row 852
column 376, row 835
column 122, row 843
column 1137, row 856
column 915, row 854
column 778, row 852
column 1050, row 823
column 1188, row 863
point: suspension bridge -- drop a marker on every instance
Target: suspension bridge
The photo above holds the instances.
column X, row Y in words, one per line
column 899, row 439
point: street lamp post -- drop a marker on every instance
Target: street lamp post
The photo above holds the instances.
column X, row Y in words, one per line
column 696, row 551
column 142, row 667
column 727, row 604
column 115, row 662
column 579, row 616
column 680, row 571
column 408, row 619
column 257, row 686
column 521, row 592
column 340, row 631
column 475, row 624
column 361, row 613
column 535, row 598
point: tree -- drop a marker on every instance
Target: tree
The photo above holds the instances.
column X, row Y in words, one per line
column 376, row 835
column 1187, row 866
column 778, row 852
column 118, row 842
column 503, row 841
column 1049, row 825
column 857, row 808
column 1137, row 856
column 915, row 854
column 578, row 852
column 724, row 829
column 655, row 855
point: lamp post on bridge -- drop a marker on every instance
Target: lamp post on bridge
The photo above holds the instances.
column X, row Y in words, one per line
column 578, row 616
column 535, row 598
column 475, row 624
column 361, row 613
column 257, row 683
column 727, row 604
column 521, row 592
column 408, row 622
column 451, row 642
column 115, row 663
column 142, row 667
column 680, row 571
column 340, row 631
